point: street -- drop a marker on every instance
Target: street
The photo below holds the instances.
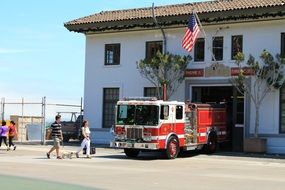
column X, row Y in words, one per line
column 110, row 169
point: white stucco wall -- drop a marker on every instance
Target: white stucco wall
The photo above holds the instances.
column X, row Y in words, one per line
column 256, row 37
column 124, row 76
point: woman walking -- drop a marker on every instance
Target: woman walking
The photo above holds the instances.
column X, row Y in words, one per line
column 12, row 134
column 3, row 134
column 86, row 141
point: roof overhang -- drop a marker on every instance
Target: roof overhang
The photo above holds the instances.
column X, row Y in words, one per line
column 210, row 18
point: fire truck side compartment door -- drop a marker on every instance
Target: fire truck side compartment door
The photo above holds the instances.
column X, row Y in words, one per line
column 172, row 118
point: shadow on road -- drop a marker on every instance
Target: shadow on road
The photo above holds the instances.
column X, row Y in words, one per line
column 250, row 155
column 149, row 156
column 159, row 155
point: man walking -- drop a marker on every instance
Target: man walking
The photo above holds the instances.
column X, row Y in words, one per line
column 57, row 136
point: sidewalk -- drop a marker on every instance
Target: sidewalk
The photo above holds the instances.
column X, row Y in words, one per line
column 104, row 149
column 50, row 142
column 28, row 149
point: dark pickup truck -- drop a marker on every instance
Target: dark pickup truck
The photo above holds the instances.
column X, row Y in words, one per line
column 72, row 129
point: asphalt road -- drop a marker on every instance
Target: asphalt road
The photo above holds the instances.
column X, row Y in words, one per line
column 28, row 168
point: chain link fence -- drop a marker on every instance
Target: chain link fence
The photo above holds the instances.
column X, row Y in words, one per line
column 33, row 117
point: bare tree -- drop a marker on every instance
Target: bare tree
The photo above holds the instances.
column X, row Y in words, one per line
column 164, row 69
column 264, row 78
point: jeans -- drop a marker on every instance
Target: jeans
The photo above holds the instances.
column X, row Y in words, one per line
column 3, row 138
column 11, row 141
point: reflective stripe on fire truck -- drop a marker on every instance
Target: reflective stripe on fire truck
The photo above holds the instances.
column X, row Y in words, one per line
column 202, row 134
column 163, row 137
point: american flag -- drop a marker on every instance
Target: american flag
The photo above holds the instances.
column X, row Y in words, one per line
column 191, row 34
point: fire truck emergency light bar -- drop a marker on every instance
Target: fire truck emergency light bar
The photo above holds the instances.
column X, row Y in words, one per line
column 140, row 98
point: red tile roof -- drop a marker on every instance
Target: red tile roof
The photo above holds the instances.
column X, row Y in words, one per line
column 175, row 10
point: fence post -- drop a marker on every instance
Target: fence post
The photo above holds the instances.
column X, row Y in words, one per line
column 81, row 106
column 23, row 127
column 43, row 120
column 3, row 109
column 81, row 114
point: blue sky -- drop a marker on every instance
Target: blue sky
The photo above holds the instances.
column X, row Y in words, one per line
column 38, row 55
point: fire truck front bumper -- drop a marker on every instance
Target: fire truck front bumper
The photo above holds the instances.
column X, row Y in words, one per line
column 135, row 145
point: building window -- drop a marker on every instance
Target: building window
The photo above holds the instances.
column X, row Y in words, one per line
column 150, row 92
column 199, row 50
column 110, row 98
column 282, row 44
column 152, row 48
column 282, row 109
column 236, row 45
column 112, row 54
column 218, row 43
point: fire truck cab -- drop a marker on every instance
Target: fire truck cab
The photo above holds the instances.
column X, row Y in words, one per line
column 171, row 126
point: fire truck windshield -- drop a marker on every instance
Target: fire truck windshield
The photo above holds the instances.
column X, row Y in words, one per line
column 137, row 114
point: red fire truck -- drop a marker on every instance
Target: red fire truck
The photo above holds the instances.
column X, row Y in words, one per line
column 150, row 124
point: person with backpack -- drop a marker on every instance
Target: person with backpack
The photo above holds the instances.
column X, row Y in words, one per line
column 12, row 134
column 3, row 134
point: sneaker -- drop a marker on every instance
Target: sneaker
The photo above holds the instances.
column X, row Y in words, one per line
column 59, row 157
column 77, row 155
column 14, row 148
column 89, row 157
column 48, row 155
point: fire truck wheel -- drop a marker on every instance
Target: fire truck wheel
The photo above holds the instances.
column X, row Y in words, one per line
column 131, row 153
column 172, row 149
column 212, row 144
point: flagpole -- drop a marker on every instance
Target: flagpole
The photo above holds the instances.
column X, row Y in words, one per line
column 204, row 33
column 159, row 26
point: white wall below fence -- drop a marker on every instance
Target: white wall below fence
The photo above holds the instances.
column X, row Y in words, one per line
column 276, row 145
column 101, row 137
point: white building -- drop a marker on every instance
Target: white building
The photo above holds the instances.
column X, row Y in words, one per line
column 116, row 40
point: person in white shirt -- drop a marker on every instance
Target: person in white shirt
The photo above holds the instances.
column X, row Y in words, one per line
column 86, row 141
